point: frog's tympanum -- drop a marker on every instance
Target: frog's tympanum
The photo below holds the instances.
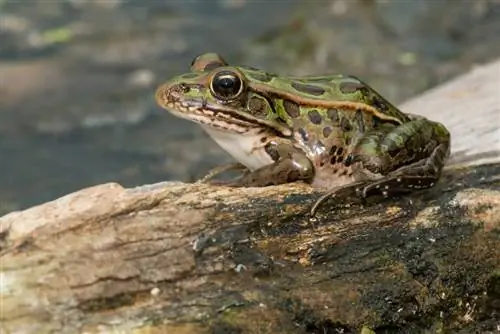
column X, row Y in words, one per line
column 334, row 131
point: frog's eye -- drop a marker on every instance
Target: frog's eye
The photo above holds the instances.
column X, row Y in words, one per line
column 226, row 85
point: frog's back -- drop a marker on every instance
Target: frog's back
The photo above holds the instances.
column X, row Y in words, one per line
column 328, row 114
column 327, row 91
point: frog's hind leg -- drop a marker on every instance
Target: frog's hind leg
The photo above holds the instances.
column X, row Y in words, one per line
column 400, row 159
column 419, row 175
column 404, row 157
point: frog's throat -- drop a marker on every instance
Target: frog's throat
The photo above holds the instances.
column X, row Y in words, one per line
column 247, row 149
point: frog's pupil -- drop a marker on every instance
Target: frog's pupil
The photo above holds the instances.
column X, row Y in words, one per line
column 226, row 85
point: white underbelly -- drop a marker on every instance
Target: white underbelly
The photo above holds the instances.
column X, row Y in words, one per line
column 245, row 148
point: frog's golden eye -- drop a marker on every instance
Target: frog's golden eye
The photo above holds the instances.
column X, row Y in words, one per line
column 226, row 85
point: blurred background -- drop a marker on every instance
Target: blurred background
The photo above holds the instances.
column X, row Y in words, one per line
column 77, row 77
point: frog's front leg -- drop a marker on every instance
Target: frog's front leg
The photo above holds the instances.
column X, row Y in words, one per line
column 236, row 166
column 396, row 159
column 290, row 165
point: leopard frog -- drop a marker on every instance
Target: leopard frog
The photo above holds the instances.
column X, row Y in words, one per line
column 334, row 131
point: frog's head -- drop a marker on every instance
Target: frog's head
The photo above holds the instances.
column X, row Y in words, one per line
column 220, row 96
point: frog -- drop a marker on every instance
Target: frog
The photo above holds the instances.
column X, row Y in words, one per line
column 333, row 132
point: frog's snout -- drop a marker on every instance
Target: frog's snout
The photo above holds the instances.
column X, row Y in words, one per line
column 162, row 95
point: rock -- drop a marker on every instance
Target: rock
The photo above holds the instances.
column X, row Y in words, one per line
column 193, row 258
column 470, row 108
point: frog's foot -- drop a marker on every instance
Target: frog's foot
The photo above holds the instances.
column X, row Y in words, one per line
column 389, row 186
column 219, row 170
column 280, row 172
column 396, row 184
column 353, row 188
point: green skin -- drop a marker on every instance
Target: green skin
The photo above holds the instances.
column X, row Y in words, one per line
column 333, row 132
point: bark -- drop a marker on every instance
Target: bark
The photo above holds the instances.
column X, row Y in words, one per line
column 192, row 258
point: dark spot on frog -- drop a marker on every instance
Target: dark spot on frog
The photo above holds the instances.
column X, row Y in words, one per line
column 333, row 115
column 259, row 76
column 212, row 66
column 348, row 87
column 272, row 151
column 207, row 61
column 181, row 88
column 314, row 116
column 308, row 89
column 347, row 141
column 344, row 172
column 345, row 124
column 256, row 106
column 336, row 154
column 291, row 108
column 378, row 103
column 360, row 121
column 336, row 159
column 263, row 139
column 303, row 134
column 333, row 149
column 327, row 131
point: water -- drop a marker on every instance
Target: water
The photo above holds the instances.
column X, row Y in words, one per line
column 77, row 77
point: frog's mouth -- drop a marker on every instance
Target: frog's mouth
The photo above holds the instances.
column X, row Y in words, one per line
column 218, row 116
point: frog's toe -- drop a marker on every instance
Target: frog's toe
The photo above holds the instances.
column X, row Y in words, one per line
column 356, row 189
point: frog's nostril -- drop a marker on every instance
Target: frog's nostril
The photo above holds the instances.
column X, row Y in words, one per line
column 183, row 88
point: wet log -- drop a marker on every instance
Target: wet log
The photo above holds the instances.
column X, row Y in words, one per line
column 192, row 258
